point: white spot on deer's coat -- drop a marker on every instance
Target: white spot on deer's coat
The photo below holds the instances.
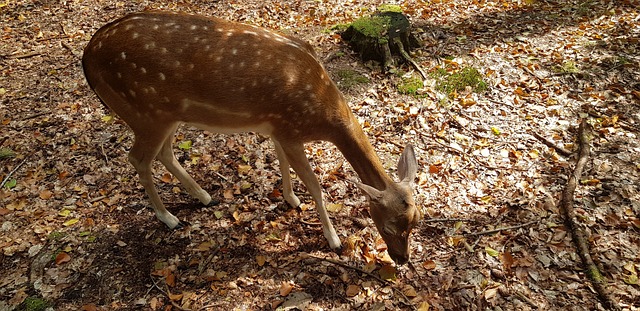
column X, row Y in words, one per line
column 249, row 32
column 193, row 27
column 155, row 27
column 123, row 55
column 234, row 51
column 308, row 87
column 143, row 70
column 177, row 63
column 152, row 90
column 133, row 65
column 161, row 76
column 150, row 45
column 119, row 75
column 133, row 93
column 135, row 35
column 163, row 50
column 190, row 66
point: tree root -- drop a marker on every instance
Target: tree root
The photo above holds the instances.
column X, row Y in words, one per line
column 578, row 236
column 407, row 57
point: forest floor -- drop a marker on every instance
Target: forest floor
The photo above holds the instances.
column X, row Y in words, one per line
column 77, row 231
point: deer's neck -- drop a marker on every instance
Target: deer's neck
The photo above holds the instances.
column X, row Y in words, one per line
column 357, row 149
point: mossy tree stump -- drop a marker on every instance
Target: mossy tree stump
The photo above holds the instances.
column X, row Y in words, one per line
column 383, row 37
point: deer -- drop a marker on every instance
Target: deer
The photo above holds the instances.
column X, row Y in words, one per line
column 158, row 70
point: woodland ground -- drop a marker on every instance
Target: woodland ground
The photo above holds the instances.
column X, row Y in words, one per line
column 77, row 231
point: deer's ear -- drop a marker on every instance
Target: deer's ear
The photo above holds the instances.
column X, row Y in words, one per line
column 407, row 165
column 371, row 192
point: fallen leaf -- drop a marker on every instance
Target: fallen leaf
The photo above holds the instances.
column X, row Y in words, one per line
column 171, row 280
column 491, row 252
column 244, row 169
column 89, row 307
column 285, row 289
column 429, row 264
column 410, row 292
column 185, row 145
column 70, row 222
column 62, row 257
column 261, row 260
column 352, row 290
column 175, row 297
column 46, row 194
column 166, row 177
column 388, row 272
column 490, row 293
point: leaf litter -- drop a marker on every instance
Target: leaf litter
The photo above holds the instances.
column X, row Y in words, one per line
column 77, row 233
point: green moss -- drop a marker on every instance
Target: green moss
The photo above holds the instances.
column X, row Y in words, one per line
column 458, row 81
column 56, row 235
column 349, row 78
column 389, row 8
column 6, row 153
column 337, row 28
column 410, row 85
column 35, row 304
column 372, row 26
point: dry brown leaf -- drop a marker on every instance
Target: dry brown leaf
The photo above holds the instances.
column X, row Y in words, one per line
column 429, row 264
column 388, row 272
column 171, row 280
column 46, row 194
column 62, row 257
column 353, row 290
column 285, row 289
column 261, row 260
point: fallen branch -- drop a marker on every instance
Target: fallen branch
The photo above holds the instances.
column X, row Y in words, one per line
column 526, row 224
column 379, row 279
column 448, row 220
column 550, row 144
column 578, row 236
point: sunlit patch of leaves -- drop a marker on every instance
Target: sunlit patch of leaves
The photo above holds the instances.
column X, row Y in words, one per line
column 467, row 77
column 567, row 67
column 349, row 78
column 410, row 85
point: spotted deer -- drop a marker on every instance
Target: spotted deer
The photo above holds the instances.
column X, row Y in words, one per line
column 158, row 70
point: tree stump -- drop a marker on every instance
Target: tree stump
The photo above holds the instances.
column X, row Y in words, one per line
column 383, row 37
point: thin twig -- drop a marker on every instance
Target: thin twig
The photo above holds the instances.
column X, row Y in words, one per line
column 177, row 306
column 33, row 116
column 550, row 144
column 526, row 224
column 221, row 176
column 379, row 279
column 6, row 178
column 23, row 55
column 448, row 220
